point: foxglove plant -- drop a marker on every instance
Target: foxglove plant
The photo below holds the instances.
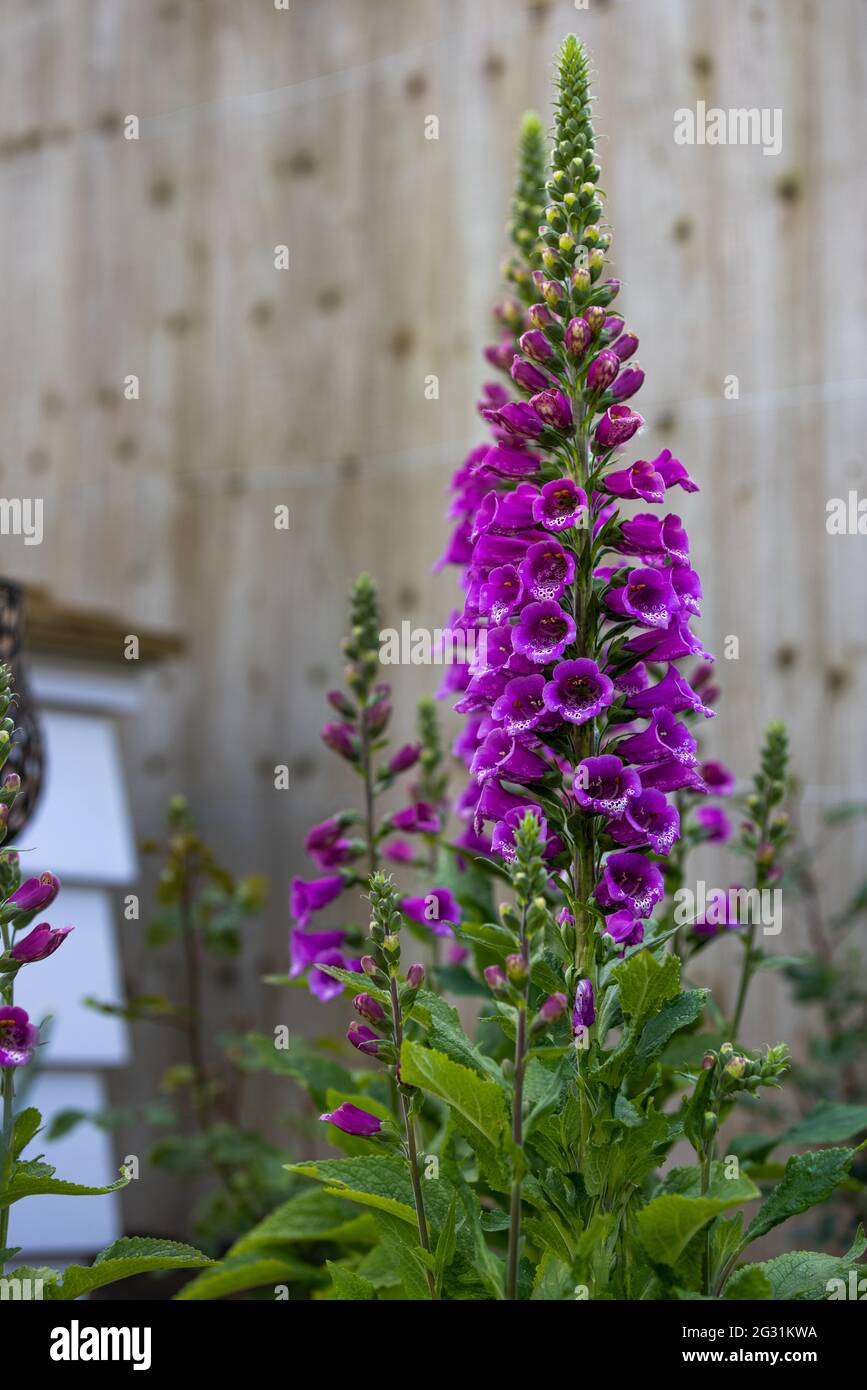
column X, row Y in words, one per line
column 540, row 1170
column 26, row 945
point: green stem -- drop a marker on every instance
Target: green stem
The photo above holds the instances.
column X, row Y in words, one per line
column 409, row 1140
column 518, row 1121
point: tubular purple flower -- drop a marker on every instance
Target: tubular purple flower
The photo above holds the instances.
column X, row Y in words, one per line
column 624, row 928
column 525, row 374
column 578, row 337
column 714, row 822
column 553, row 409
column 369, row 1008
column 363, row 1039
column 502, row 592
column 33, row 895
column 560, row 504
column 18, row 1037
column 604, row 785
column 602, row 370
column 415, row 976
column 311, row 895
column 418, row 819
column 584, row 1008
column 647, row 596
column 342, row 739
column 534, row 344
column 630, row 878
column 578, row 691
column 352, row 1120
column 39, row 943
column 625, row 346
column 553, row 1008
column 664, row 737
column 547, row 571
column 628, row 383
column 616, row 427
column 437, row 910
column 544, row 631
column 405, row 757
column 521, row 706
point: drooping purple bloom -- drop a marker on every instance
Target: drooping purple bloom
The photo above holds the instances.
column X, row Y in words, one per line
column 604, row 785
column 352, row 1120
column 551, row 1009
column 547, row 571
column 528, row 376
column 624, row 928
column 647, row 596
column 630, row 878
column 630, row 381
column 363, row 1038
column 673, row 473
column 671, row 776
column 437, row 909
column 521, row 706
column 640, row 480
column 509, row 463
column 326, row 844
column 39, row 943
column 648, row 536
column 342, row 739
column 308, row 947
column 553, row 409
column 544, row 631
column 519, row 418
column 503, row 838
column 311, row 895
column 714, row 822
column 34, row 894
column 560, row 504
column 405, row 757
column 502, row 592
column 18, row 1036
column 664, row 737
column 673, row 692
column 534, row 344
column 418, row 819
column 578, row 690
column 503, row 755
column 369, row 1008
column 616, row 427
column 625, row 346
column 584, row 1008
column 656, row 821
column 720, row 781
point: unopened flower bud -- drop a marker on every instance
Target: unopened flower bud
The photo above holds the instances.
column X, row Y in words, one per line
column 578, row 337
column 603, row 370
column 495, row 978
column 369, row 1008
column 536, row 345
column 369, row 966
column 415, row 976
column 516, row 969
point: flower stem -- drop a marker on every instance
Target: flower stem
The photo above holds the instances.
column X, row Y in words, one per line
column 409, row 1140
column 518, row 1121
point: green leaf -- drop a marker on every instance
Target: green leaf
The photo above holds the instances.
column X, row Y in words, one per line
column 26, row 1127
column 122, row 1260
column 380, row 1182
column 645, row 985
column 350, row 1287
column 668, row 1223
column 303, row 1063
column 25, row 1184
column 249, row 1270
column 749, row 1282
column 310, row 1215
column 446, row 1245
column 830, row 1122
column 809, row 1179
column 480, row 1101
column 805, row 1274
column 683, row 1011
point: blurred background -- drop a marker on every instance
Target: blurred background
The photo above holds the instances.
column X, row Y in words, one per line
column 257, row 387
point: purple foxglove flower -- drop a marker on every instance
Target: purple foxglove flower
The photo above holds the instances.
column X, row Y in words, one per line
column 495, row 803
column 363, row 1038
column 547, row 571
column 553, row 1008
column 560, row 504
column 400, row 852
column 34, row 894
column 495, row 978
column 646, row 535
column 307, row 947
column 584, row 1008
column 553, row 409
column 496, row 646
column 665, row 737
column 720, row 781
column 528, row 376
column 578, row 337
column 687, row 586
column 544, row 631
column 500, row 354
column 630, row 878
column 437, row 910
column 616, row 427
column 519, row 418
column 503, row 755
column 612, row 328
column 18, row 1036
column 713, row 821
column 39, row 943
column 673, row 473
column 510, row 463
column 415, row 976
column 604, row 785
column 641, row 480
column 503, row 838
column 405, row 757
column 502, row 592
column 351, row 1120
column 342, row 739
column 540, row 316
column 521, row 707
column 624, row 928
column 341, row 703
column 672, row 776
column 651, row 815
column 534, row 344
column 482, row 691
column 667, row 644
column 633, row 680
column 602, row 370
column 721, row 911
column 625, row 346
column 369, row 1008
column 628, row 383
column 326, row 844
column 647, row 596
column 418, row 819
column 673, row 692
column 578, row 690
column 311, row 895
